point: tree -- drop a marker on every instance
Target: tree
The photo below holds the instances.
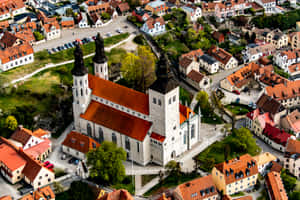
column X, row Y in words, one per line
column 289, row 182
column 58, row 188
column 69, row 12
column 208, row 163
column 226, row 151
column 80, row 191
column 161, row 177
column 294, row 195
column 106, row 163
column 138, row 69
column 105, row 16
column 38, row 36
column 253, row 37
column 11, row 123
column 173, row 168
column 202, row 98
column 247, row 36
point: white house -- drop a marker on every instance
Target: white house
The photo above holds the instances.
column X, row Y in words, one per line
column 16, row 56
column 268, row 5
column 193, row 12
column 209, row 63
column 96, row 19
column 264, row 160
column 227, row 61
column 287, row 58
column 51, row 30
column 10, row 8
column 83, row 23
column 154, row 26
column 292, row 157
column 151, row 127
column 253, row 52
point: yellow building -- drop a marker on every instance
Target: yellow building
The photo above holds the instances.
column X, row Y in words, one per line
column 263, row 160
column 297, row 26
column 235, row 175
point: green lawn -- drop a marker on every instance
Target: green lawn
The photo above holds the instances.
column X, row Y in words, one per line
column 280, row 72
column 170, row 182
column 42, row 57
column 238, row 194
column 238, row 109
column 127, row 184
column 176, row 48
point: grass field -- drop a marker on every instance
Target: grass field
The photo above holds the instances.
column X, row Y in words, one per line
column 42, row 57
column 238, row 109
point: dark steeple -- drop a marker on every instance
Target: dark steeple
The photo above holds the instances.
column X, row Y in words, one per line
column 100, row 54
column 79, row 68
column 165, row 81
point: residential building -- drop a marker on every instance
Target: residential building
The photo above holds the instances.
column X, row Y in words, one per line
column 294, row 40
column 238, row 174
column 122, row 8
column 228, row 197
column 154, row 26
column 10, row 8
column 208, row 9
column 51, row 30
column 187, row 64
column 78, row 145
column 263, row 161
column 117, row 195
column 227, row 61
column 151, row 127
column 45, row 193
column 291, row 122
column 275, row 137
column 193, row 12
column 96, row 20
column 286, row 93
column 9, row 40
column 294, row 71
column 275, row 167
column 277, row 38
column 292, row 157
column 140, row 14
column 157, row 7
column 6, row 198
column 67, row 23
column 143, row 2
column 218, row 36
column 200, row 188
column 15, row 56
column 191, row 1
column 82, row 21
column 26, row 36
column 209, row 64
column 15, row 165
column 99, row 8
column 253, row 52
column 284, row 59
column 275, row 187
column 230, row 8
column 194, row 55
column 268, row 5
column 297, row 26
column 198, row 80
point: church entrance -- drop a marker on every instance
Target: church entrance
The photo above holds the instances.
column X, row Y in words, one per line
column 173, row 154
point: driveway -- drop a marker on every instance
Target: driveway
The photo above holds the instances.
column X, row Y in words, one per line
column 68, row 36
column 8, row 189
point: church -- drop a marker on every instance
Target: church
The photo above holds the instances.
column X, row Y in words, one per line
column 152, row 127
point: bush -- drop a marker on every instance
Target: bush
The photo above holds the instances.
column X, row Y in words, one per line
column 38, row 36
column 139, row 39
column 105, row 16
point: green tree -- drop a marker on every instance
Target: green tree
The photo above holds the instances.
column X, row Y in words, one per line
column 173, row 168
column 208, row 163
column 138, row 69
column 294, row 195
column 289, row 181
column 80, row 191
column 11, row 123
column 38, row 36
column 202, row 98
column 226, row 151
column 106, row 163
column 247, row 36
column 105, row 16
column 58, row 188
column 253, row 37
column 69, row 12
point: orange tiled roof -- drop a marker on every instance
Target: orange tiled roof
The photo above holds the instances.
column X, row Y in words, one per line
column 6, row 198
column 99, row 7
column 15, row 52
column 26, row 35
column 151, row 21
column 69, row 23
column 195, row 76
column 9, row 156
column 117, row 195
column 294, row 68
column 200, row 188
column 185, row 62
column 118, row 94
column 41, row 193
column 193, row 54
column 8, row 39
column 38, row 149
column 245, row 166
column 291, row 54
column 40, row 133
column 287, row 90
column 48, row 27
column 21, row 135
column 184, row 113
column 116, row 120
column 158, row 137
column 80, row 142
column 219, row 54
column 4, row 24
column 124, row 7
column 293, row 146
column 7, row 6
column 275, row 186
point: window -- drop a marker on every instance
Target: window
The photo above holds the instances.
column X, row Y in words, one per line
column 193, row 131
column 101, row 136
column 174, row 98
column 81, row 92
column 159, row 102
column 154, row 100
column 184, row 138
column 170, row 100
column 127, row 143
column 138, row 147
column 114, row 138
column 89, row 130
column 39, row 183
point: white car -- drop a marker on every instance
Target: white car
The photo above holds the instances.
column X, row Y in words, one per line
column 119, row 30
column 108, row 34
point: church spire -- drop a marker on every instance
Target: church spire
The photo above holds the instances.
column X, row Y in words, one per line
column 79, row 68
column 100, row 53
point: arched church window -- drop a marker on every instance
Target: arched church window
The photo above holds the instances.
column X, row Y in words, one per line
column 76, row 93
column 127, row 143
column 101, row 136
column 89, row 130
column 193, row 131
column 184, row 138
column 75, row 82
column 86, row 91
column 81, row 91
column 80, row 82
column 114, row 138
column 101, row 69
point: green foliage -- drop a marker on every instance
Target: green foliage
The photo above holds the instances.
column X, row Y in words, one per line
column 203, row 99
column 281, row 72
column 106, row 163
column 58, row 188
column 289, row 181
column 173, row 168
column 38, row 36
column 184, row 96
column 105, row 16
column 294, row 195
column 238, row 109
column 11, row 123
column 80, row 191
column 139, row 39
column 167, row 17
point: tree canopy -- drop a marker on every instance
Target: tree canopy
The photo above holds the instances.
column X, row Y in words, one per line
column 106, row 163
column 11, row 123
column 80, row 191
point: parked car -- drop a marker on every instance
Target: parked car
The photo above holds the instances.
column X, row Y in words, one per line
column 108, row 34
column 126, row 26
column 66, row 46
column 119, row 30
column 63, row 156
column 236, row 92
column 49, row 51
column 50, row 166
column 54, row 50
column 72, row 160
column 46, row 163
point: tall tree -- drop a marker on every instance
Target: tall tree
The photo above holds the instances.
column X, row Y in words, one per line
column 80, row 191
column 58, row 188
column 202, row 98
column 173, row 168
column 11, row 123
column 106, row 163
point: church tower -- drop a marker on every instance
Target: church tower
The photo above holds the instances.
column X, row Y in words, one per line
column 164, row 101
column 81, row 90
column 100, row 60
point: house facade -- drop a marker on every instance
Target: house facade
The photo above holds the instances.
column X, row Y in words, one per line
column 193, row 12
column 151, row 127
column 294, row 40
column 277, row 38
column 51, row 30
column 157, row 7
column 227, row 61
column 154, row 26
column 263, row 161
column 292, row 157
column 287, row 58
column 10, row 8
column 209, row 63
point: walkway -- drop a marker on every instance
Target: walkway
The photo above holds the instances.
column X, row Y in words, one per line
column 51, row 65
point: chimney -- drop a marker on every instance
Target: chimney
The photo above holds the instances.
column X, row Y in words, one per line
column 20, row 127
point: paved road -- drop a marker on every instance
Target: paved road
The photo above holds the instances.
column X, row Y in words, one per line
column 266, row 148
column 8, row 189
column 67, row 35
